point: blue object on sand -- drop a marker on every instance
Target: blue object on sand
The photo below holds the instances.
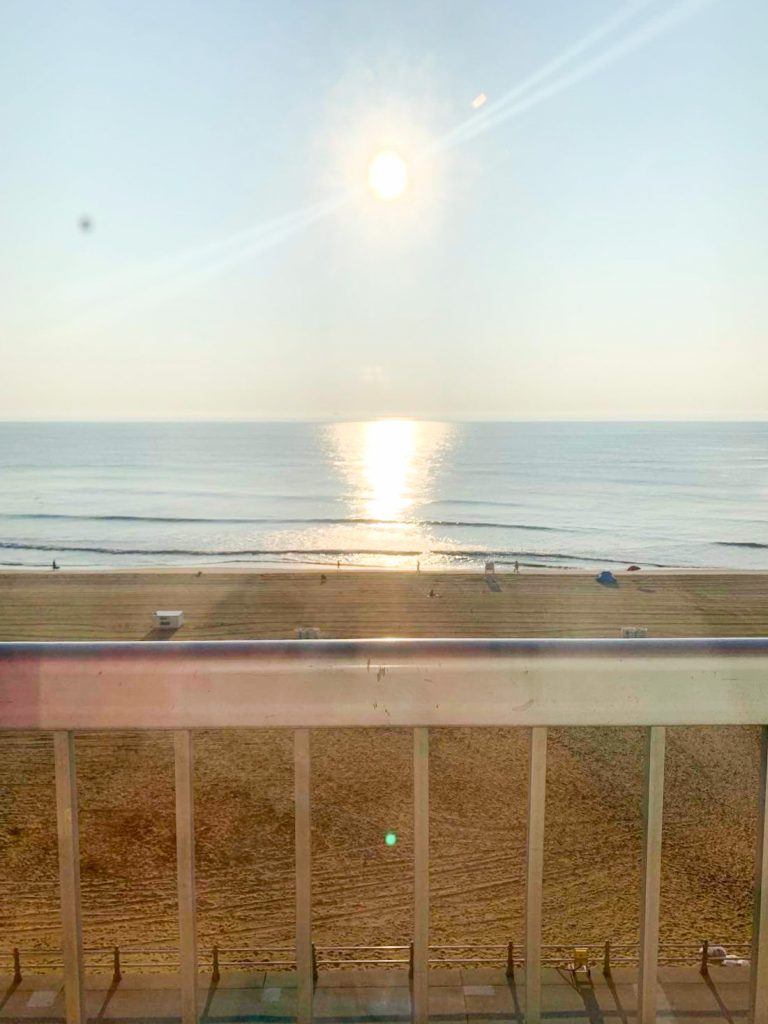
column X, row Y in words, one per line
column 606, row 578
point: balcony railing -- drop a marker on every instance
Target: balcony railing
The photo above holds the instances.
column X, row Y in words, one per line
column 125, row 960
column 301, row 685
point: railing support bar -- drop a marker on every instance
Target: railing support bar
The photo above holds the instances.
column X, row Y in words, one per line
column 653, row 808
column 17, row 976
column 69, row 875
column 420, row 985
column 534, row 872
column 704, row 965
column 302, row 819
column 758, row 981
column 185, row 873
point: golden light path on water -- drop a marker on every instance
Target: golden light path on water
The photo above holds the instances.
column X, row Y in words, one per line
column 389, row 447
column 390, row 468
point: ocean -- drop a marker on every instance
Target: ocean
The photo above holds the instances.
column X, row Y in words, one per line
column 384, row 493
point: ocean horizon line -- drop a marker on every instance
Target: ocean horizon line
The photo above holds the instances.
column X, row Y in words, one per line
column 399, row 417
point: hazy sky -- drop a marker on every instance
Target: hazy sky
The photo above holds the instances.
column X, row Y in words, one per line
column 593, row 244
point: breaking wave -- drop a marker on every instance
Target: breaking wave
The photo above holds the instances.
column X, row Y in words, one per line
column 317, row 521
column 458, row 554
column 740, row 544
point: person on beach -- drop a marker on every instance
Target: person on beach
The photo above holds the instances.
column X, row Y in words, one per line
column 54, row 565
column 517, row 566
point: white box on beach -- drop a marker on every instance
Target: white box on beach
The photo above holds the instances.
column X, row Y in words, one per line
column 169, row 620
column 634, row 632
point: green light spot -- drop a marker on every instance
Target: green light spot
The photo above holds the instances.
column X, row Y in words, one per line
column 390, row 838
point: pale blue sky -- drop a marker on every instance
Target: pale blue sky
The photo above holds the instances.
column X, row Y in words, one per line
column 601, row 253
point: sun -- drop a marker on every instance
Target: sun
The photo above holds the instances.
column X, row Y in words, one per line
column 388, row 175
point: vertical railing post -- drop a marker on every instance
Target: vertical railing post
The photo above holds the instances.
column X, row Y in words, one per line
column 510, row 959
column 69, row 875
column 420, row 987
column 185, row 871
column 758, row 983
column 17, row 977
column 302, row 821
column 534, row 872
column 704, row 966
column 653, row 808
column 215, row 971
column 116, row 972
column 607, row 958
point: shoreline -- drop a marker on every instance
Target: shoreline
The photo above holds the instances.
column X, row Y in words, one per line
column 257, row 569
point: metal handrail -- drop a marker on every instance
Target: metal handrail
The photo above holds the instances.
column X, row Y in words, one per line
column 364, row 947
column 469, row 945
column 493, row 682
column 510, row 954
column 280, row 949
column 388, row 960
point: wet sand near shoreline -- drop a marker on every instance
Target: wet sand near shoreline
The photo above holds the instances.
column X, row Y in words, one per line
column 362, row 779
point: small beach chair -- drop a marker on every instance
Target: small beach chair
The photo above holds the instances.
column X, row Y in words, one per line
column 580, row 962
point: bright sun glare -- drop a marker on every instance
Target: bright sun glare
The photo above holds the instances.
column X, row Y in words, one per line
column 389, row 447
column 388, row 175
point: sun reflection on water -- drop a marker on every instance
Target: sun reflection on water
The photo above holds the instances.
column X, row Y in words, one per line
column 387, row 463
column 390, row 465
column 374, row 505
column 391, row 469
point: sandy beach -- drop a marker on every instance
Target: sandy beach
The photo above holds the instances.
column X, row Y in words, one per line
column 362, row 782
column 221, row 605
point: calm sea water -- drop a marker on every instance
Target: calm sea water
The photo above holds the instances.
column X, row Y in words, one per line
column 384, row 493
